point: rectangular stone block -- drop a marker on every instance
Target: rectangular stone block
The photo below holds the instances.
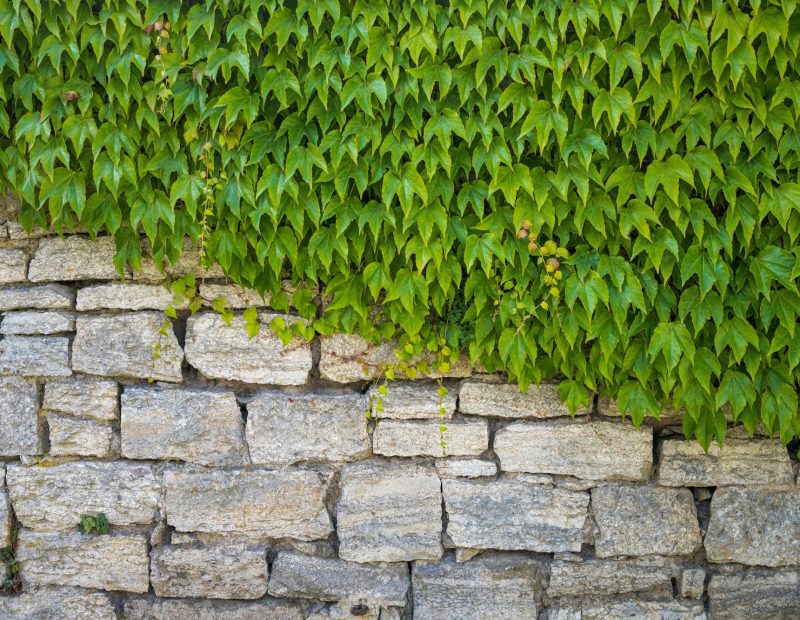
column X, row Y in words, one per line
column 50, row 297
column 755, row 595
column 389, row 512
column 592, row 451
column 73, row 258
column 70, row 437
column 754, row 526
column 503, row 400
column 37, row 323
column 159, row 609
column 644, row 520
column 426, row 437
column 55, row 497
column 224, row 571
column 13, row 265
column 237, row 298
column 196, row 426
column 624, row 609
column 606, row 577
column 738, row 462
column 57, row 604
column 109, row 562
column 295, row 575
column 221, row 351
column 412, row 400
column 35, row 356
column 19, row 424
column 465, row 468
column 124, row 345
column 513, row 514
column 255, row 503
column 128, row 296
column 188, row 262
column 83, row 398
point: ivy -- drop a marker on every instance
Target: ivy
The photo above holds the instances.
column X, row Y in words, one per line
column 390, row 154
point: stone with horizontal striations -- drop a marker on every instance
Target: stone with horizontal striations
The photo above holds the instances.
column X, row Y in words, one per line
column 73, row 258
column 19, row 424
column 196, row 426
column 71, row 437
column 255, row 503
column 83, row 398
column 284, row 428
column 644, row 520
column 49, row 297
column 124, row 345
column 159, row 609
column 489, row 586
column 236, row 297
column 55, row 497
column 505, row 400
column 596, row 577
column 513, row 514
column 221, row 351
column 738, row 462
column 593, row 451
column 389, row 512
column 431, row 437
column 466, row 468
column 227, row 571
column 295, row 575
column 13, row 265
column 128, row 296
column 35, row 356
column 667, row 416
column 37, row 323
column 407, row 400
column 755, row 595
column 56, row 604
column 754, row 526
column 626, row 609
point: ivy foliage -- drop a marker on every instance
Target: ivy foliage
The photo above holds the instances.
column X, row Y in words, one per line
column 390, row 153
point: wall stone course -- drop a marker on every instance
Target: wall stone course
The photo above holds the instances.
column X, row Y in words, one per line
column 431, row 437
column 503, row 400
column 35, row 356
column 178, row 609
column 48, row 297
column 128, row 296
column 44, row 603
column 73, row 258
column 754, row 595
column 409, row 400
column 607, row 577
column 465, row 468
column 83, row 397
column 71, row 437
column 29, row 323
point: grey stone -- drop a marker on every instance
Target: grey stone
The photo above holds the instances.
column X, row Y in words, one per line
column 50, row 297
column 109, row 562
column 285, row 428
column 237, row 298
column 389, row 513
column 124, row 345
column 214, row 571
column 55, row 497
column 158, row 609
column 754, row 526
column 738, row 462
column 188, row 263
column 604, row 577
column 13, row 265
column 35, row 356
column 513, row 514
column 505, row 400
column 221, row 351
column 491, row 586
column 19, row 425
column 130, row 296
column 57, row 604
column 594, row 451
column 73, row 258
column 431, row 437
column 755, row 595
column 295, row 575
column 409, row 400
column 70, row 437
column 83, row 398
column 693, row 583
column 254, row 503
column 644, row 520
column 465, row 468
column 626, row 609
column 667, row 416
column 197, row 426
column 5, row 514
column 37, row 323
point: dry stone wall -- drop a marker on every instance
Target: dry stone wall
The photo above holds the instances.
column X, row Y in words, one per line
column 242, row 479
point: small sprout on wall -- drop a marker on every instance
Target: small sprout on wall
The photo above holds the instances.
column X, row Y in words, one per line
column 97, row 523
column 11, row 581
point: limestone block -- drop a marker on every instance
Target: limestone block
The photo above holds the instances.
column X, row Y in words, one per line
column 19, row 425
column 35, row 356
column 49, row 297
column 30, row 323
column 73, row 258
column 505, row 400
column 431, row 437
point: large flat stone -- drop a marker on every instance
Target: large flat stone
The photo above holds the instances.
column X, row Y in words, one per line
column 55, row 497
column 504, row 400
column 129, row 296
column 755, row 595
column 73, row 258
column 431, row 437
column 389, row 513
column 513, row 514
column 644, row 520
column 71, row 437
column 197, row 426
column 754, row 526
column 188, row 263
column 738, row 462
column 295, row 575
column 109, row 562
column 628, row 609
column 285, row 428
column 13, row 265
column 31, row 323
column 124, row 345
column 605, row 577
column 19, row 425
column 221, row 351
column 35, row 356
column 254, row 503
column 83, row 398
column 592, row 451
column 412, row 400
column 57, row 604
column 159, row 609
column 50, row 297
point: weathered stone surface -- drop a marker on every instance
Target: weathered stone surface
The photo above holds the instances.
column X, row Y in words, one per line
column 644, row 520
column 504, row 400
column 154, row 609
column 123, row 345
column 255, row 503
column 5, row 513
column 692, row 583
column 35, row 356
column 296, row 575
column 73, row 258
column 118, row 296
column 465, row 468
column 408, row 400
column 490, row 586
column 667, row 416
column 188, row 262
column 213, row 571
column 70, row 437
column 513, row 514
column 82, row 398
column 52, row 296
column 109, row 562
column 389, row 513
column 13, row 265
column 197, row 426
column 426, row 437
column 755, row 595
column 54, row 497
column 627, row 609
column 738, row 462
column 601, row 577
column 37, row 323
column 237, row 297
column 57, row 604
column 19, row 426
column 754, row 526
column 594, row 451
column 285, row 428
column 221, row 351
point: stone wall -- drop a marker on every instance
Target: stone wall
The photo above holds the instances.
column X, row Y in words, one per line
column 242, row 480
